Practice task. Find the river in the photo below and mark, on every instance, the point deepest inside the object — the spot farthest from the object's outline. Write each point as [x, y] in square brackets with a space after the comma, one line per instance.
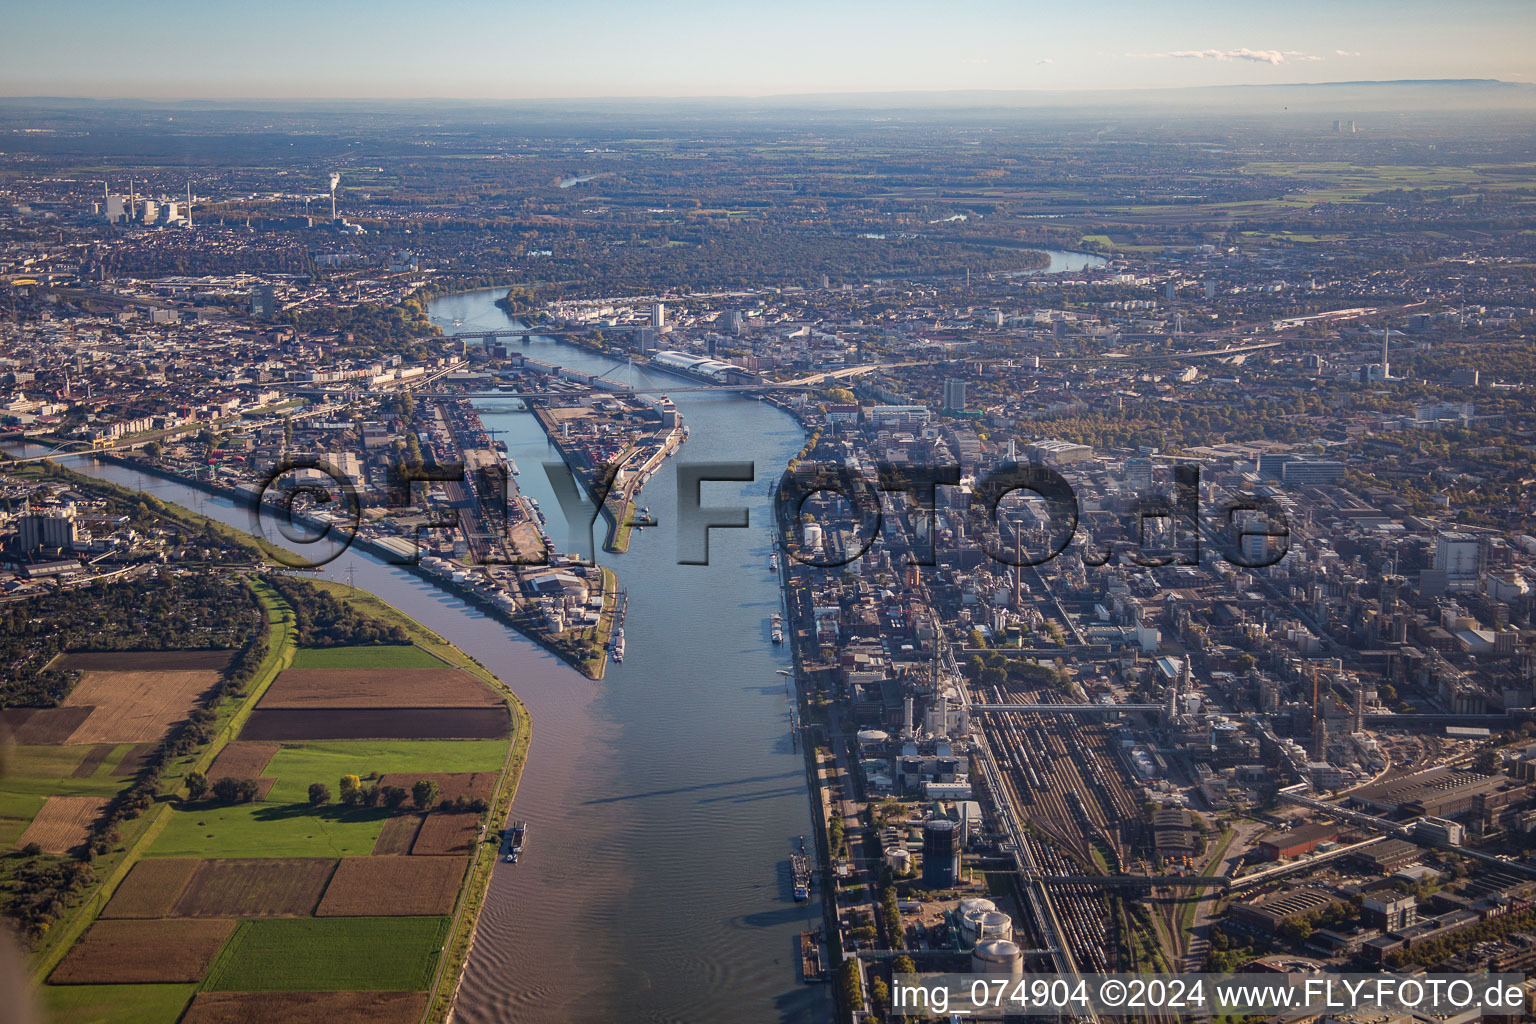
[664, 801]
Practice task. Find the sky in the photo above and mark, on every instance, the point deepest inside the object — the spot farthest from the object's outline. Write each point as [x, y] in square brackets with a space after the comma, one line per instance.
[473, 49]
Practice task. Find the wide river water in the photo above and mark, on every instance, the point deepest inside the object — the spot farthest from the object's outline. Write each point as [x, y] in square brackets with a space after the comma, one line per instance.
[664, 801]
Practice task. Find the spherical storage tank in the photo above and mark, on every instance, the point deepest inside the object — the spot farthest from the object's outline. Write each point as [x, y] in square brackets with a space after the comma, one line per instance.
[997, 956]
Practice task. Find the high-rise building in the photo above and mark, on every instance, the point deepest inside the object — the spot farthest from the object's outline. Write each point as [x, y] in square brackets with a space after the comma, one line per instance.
[263, 301]
[1460, 557]
[1390, 912]
[954, 395]
[1138, 475]
[658, 315]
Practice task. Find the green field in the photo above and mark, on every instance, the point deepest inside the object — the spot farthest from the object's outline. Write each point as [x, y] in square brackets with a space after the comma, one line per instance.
[115, 1004]
[284, 825]
[295, 767]
[330, 954]
[270, 830]
[22, 794]
[396, 656]
[48, 761]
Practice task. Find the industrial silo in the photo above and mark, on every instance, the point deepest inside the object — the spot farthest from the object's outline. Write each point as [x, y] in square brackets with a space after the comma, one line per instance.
[968, 916]
[993, 925]
[997, 956]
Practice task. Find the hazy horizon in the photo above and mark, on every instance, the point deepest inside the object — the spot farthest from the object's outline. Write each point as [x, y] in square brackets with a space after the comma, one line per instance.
[489, 52]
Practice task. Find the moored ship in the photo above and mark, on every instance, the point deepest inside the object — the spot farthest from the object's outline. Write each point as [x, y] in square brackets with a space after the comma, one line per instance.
[516, 832]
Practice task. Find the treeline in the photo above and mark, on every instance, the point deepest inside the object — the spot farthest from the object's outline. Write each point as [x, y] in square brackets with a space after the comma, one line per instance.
[320, 620]
[43, 888]
[164, 612]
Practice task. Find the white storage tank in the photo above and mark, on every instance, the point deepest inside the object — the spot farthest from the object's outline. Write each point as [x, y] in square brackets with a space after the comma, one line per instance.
[997, 956]
[969, 913]
[872, 737]
[898, 859]
[994, 925]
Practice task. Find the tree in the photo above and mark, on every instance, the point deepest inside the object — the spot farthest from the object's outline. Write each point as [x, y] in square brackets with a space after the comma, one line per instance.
[197, 785]
[235, 791]
[319, 793]
[424, 793]
[848, 982]
[351, 789]
[393, 796]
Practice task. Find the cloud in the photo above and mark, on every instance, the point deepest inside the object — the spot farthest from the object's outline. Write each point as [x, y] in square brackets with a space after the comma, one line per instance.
[1256, 56]
[1346, 53]
[975, 60]
[1045, 60]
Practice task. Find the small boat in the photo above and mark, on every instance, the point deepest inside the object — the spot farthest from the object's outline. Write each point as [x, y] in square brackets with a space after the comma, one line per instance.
[516, 834]
[776, 624]
[778, 636]
[618, 645]
[773, 562]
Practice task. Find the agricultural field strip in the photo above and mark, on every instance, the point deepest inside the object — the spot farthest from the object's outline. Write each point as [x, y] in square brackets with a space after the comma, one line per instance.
[134, 706]
[378, 688]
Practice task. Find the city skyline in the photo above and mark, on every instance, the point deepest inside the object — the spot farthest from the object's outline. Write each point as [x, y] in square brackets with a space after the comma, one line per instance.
[632, 51]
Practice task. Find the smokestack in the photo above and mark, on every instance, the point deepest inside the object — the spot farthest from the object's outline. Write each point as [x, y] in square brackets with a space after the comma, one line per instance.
[906, 718]
[189, 202]
[1386, 371]
[335, 180]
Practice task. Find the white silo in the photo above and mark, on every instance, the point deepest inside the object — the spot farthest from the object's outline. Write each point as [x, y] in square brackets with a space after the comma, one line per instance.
[994, 925]
[968, 916]
[997, 956]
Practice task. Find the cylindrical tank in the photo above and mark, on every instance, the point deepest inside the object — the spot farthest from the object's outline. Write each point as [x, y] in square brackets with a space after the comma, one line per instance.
[872, 737]
[968, 915]
[941, 853]
[997, 956]
[898, 859]
[994, 925]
